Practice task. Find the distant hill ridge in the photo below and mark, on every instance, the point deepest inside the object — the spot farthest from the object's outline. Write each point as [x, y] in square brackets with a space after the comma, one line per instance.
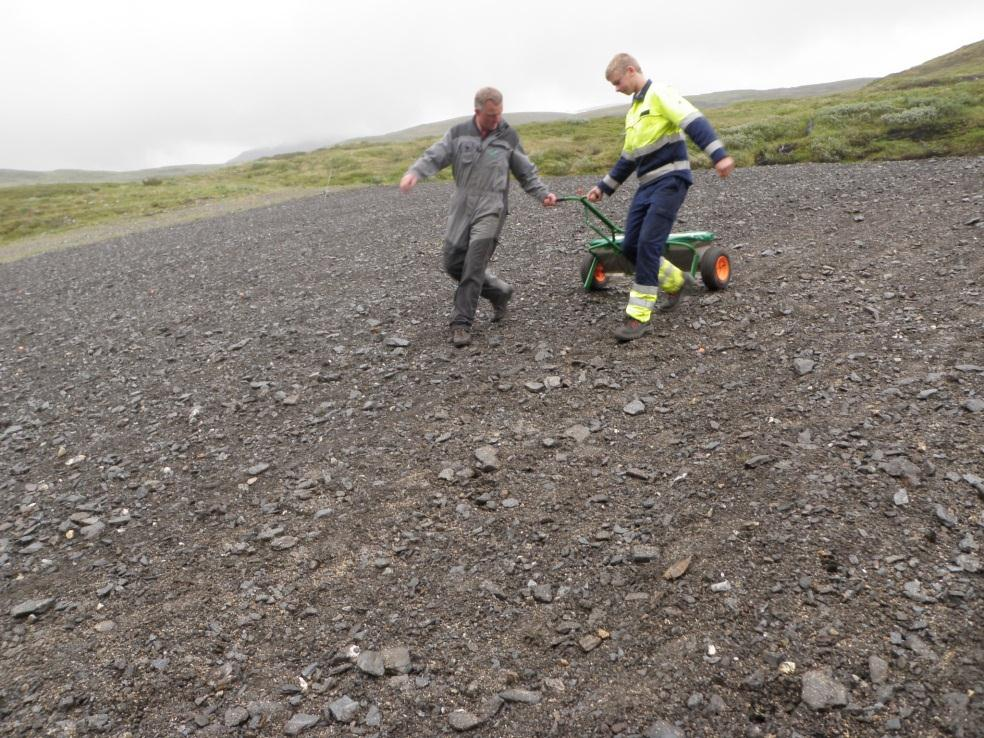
[291, 148]
[12, 177]
[963, 64]
[706, 100]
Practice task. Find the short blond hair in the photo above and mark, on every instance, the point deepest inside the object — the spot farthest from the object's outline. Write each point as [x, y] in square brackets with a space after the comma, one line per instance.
[487, 94]
[618, 65]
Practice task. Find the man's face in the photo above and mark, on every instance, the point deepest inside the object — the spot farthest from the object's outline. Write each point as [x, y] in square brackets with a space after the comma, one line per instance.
[624, 82]
[488, 116]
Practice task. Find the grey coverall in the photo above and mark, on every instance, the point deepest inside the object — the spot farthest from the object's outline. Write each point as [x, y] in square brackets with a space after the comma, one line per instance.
[478, 208]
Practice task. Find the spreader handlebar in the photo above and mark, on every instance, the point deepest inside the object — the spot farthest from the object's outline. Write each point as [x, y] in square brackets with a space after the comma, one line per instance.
[596, 220]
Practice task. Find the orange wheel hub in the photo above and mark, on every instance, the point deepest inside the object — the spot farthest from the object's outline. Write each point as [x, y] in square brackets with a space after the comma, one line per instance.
[722, 268]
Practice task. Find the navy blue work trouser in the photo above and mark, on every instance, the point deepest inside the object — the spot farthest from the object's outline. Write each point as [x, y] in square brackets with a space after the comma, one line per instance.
[648, 224]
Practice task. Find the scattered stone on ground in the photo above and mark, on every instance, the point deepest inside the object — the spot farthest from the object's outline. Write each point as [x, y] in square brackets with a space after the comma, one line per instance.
[248, 487]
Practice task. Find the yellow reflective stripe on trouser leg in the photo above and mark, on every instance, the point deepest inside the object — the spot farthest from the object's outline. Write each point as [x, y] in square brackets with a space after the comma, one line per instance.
[670, 277]
[642, 301]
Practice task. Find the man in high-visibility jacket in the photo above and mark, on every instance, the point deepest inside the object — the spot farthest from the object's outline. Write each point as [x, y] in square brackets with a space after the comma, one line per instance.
[656, 150]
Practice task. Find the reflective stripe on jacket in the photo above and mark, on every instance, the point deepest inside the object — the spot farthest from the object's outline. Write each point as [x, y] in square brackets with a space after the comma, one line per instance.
[654, 143]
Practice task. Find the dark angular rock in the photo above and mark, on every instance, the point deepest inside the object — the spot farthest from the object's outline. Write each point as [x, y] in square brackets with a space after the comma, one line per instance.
[301, 722]
[235, 716]
[32, 607]
[821, 691]
[461, 720]
[371, 662]
[521, 695]
[661, 729]
[344, 709]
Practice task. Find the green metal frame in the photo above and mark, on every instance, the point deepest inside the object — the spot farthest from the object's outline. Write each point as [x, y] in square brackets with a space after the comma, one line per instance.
[610, 238]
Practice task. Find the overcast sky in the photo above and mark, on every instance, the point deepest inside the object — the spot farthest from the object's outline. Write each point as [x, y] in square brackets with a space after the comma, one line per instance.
[101, 84]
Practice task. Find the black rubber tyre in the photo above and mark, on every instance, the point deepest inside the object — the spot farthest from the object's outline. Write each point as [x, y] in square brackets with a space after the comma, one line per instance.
[715, 268]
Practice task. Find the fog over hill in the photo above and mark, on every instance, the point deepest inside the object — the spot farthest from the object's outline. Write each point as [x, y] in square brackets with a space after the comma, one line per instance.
[287, 148]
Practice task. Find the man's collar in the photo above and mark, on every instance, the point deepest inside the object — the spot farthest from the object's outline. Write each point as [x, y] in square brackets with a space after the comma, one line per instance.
[641, 94]
[483, 134]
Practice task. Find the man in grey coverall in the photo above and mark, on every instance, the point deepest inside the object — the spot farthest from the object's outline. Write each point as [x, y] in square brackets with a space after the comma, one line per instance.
[482, 152]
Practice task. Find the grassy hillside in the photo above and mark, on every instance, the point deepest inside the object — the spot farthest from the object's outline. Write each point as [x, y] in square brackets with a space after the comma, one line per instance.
[910, 123]
[935, 109]
[14, 177]
[35, 209]
[964, 64]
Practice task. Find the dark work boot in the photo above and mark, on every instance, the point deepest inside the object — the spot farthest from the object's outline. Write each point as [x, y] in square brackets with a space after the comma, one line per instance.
[460, 336]
[630, 330]
[500, 307]
[671, 300]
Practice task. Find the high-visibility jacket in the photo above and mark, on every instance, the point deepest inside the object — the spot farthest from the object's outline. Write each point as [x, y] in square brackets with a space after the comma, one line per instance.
[654, 143]
[481, 168]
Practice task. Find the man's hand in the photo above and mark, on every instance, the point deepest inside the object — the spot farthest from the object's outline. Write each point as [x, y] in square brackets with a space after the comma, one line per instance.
[595, 194]
[725, 167]
[550, 200]
[408, 181]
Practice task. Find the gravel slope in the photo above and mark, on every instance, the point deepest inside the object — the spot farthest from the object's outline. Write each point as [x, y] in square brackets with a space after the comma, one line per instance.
[248, 488]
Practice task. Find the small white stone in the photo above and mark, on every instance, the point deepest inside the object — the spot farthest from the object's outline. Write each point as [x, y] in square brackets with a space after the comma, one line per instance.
[353, 651]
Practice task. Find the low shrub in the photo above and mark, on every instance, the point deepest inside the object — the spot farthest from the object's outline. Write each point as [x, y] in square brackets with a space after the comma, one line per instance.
[859, 111]
[917, 117]
[828, 149]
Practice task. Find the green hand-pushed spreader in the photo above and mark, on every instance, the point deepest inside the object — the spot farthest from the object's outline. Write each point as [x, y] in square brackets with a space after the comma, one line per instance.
[692, 252]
